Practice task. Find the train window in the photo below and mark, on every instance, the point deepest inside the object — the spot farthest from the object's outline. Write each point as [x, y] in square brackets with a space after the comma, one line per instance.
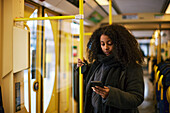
[31, 11]
[51, 36]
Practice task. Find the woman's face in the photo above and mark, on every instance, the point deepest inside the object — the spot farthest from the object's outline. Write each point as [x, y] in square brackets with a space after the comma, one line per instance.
[106, 45]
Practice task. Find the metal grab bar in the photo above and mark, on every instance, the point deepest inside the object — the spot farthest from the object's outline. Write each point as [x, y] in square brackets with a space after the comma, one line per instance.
[90, 33]
[155, 69]
[46, 18]
[81, 55]
[67, 73]
[160, 85]
[110, 12]
[157, 76]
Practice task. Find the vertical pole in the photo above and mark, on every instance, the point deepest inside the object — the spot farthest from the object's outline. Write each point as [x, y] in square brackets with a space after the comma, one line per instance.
[81, 57]
[110, 12]
[67, 73]
[168, 49]
[38, 62]
[159, 46]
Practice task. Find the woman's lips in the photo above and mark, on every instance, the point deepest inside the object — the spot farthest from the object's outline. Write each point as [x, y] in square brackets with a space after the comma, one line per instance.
[107, 53]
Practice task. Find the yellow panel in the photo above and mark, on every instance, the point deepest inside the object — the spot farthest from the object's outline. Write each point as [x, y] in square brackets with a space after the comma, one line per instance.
[8, 93]
[7, 37]
[0, 40]
[9, 12]
[28, 9]
[18, 8]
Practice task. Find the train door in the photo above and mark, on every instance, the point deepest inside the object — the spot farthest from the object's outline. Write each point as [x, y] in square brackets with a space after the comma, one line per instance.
[43, 62]
[29, 94]
[53, 53]
[50, 64]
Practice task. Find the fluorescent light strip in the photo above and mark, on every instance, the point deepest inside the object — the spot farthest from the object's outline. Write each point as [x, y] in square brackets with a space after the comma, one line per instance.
[168, 10]
[102, 2]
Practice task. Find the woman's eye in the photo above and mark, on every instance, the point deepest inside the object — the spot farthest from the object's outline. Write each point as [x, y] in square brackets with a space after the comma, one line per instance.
[102, 44]
[110, 43]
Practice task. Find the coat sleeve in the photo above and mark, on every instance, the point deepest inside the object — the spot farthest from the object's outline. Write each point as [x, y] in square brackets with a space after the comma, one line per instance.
[133, 95]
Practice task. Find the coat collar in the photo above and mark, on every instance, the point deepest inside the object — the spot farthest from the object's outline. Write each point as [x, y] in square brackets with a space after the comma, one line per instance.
[110, 60]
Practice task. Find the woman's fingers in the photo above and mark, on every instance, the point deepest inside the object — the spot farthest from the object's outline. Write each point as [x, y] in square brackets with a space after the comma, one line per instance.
[79, 63]
[101, 91]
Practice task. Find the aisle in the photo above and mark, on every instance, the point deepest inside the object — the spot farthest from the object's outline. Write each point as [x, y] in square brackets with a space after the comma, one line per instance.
[148, 104]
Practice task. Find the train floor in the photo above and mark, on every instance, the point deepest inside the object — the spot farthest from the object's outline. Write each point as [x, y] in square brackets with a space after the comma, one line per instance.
[148, 104]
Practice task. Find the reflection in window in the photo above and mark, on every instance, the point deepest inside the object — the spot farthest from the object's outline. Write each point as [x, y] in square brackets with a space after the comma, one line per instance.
[33, 34]
[49, 75]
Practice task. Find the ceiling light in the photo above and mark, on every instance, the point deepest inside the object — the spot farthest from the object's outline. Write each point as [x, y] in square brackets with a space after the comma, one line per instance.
[102, 2]
[157, 33]
[168, 10]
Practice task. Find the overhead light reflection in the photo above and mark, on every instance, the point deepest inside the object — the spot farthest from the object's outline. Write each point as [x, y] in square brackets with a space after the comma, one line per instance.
[168, 10]
[157, 33]
[102, 2]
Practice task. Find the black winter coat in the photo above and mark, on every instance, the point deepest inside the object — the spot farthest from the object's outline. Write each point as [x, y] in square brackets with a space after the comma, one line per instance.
[126, 88]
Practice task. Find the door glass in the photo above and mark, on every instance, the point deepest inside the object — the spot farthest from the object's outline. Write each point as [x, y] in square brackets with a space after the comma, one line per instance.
[68, 82]
[33, 34]
[50, 65]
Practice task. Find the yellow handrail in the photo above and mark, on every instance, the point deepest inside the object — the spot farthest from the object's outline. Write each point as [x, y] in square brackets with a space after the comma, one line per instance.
[88, 33]
[157, 76]
[81, 55]
[159, 82]
[85, 34]
[67, 73]
[159, 48]
[160, 85]
[155, 69]
[46, 18]
[110, 12]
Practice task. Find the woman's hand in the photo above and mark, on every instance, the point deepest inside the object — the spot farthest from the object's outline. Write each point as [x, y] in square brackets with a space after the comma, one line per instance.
[80, 63]
[103, 92]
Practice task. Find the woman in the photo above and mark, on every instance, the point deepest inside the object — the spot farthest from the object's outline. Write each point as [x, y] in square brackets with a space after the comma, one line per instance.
[115, 60]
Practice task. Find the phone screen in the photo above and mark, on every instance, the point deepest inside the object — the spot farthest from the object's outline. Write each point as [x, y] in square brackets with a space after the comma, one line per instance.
[96, 83]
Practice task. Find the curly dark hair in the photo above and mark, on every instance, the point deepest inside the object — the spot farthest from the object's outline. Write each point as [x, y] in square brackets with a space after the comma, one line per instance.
[126, 47]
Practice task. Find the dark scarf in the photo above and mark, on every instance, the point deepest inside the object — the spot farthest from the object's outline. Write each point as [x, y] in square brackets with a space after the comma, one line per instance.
[107, 62]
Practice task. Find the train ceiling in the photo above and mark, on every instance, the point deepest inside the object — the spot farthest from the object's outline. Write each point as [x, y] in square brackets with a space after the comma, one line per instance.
[141, 6]
[93, 7]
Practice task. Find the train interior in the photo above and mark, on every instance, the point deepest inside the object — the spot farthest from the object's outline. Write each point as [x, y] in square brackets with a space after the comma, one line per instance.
[40, 44]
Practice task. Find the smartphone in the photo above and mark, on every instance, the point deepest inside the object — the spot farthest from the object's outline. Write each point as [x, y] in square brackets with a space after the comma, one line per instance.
[96, 83]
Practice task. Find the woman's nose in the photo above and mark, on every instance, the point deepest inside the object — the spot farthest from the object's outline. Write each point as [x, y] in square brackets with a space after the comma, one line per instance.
[106, 47]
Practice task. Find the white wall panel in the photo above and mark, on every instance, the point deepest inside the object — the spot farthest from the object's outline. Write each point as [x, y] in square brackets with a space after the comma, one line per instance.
[20, 49]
